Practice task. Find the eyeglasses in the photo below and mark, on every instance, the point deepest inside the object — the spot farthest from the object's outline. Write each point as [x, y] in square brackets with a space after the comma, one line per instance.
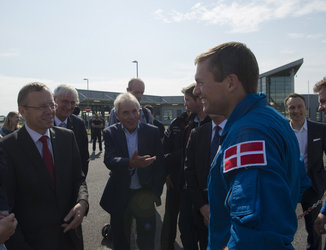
[52, 106]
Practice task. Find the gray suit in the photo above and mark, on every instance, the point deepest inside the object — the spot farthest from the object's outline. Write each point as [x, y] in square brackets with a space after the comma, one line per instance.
[40, 205]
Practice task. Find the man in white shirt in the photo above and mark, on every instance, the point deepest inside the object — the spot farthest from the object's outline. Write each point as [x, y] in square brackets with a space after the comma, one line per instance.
[311, 138]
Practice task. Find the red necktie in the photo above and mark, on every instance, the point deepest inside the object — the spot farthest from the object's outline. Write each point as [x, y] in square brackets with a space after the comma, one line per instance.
[47, 157]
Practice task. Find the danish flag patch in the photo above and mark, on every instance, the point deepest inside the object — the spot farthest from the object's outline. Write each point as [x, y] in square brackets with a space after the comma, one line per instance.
[244, 154]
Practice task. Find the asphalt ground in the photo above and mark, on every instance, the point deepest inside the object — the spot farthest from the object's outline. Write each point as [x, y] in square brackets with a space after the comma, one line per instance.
[92, 225]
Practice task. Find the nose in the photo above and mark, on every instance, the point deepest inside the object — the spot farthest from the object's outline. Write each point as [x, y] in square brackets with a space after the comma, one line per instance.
[321, 107]
[196, 90]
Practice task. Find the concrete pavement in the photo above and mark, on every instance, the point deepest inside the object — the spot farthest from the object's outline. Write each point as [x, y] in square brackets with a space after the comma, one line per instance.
[92, 225]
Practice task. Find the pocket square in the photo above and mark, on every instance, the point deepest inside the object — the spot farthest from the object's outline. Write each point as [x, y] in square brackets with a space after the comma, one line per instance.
[316, 139]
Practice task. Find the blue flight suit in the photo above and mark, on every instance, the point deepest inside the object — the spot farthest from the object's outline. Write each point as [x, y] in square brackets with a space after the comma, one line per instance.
[253, 196]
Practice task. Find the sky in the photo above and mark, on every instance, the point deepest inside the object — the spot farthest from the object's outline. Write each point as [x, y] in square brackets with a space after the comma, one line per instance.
[65, 41]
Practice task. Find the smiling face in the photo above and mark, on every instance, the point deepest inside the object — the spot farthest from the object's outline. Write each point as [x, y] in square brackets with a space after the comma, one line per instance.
[38, 119]
[129, 115]
[213, 94]
[296, 108]
[66, 104]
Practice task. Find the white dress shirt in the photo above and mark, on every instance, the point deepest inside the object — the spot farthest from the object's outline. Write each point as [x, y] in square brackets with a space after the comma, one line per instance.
[302, 136]
[36, 137]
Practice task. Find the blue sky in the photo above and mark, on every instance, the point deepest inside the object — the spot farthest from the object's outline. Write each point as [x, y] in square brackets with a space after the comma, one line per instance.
[65, 41]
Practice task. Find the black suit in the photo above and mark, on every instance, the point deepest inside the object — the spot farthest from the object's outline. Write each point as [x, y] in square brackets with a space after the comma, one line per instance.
[40, 205]
[316, 172]
[77, 125]
[118, 198]
[197, 167]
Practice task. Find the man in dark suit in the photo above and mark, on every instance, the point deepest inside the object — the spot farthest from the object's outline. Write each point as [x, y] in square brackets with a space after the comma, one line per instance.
[133, 153]
[8, 222]
[45, 185]
[66, 98]
[312, 143]
[201, 149]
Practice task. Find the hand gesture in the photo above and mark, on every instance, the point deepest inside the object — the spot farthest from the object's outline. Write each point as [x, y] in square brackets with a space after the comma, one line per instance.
[137, 161]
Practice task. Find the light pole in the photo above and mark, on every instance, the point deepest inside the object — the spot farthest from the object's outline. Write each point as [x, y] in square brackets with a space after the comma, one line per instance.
[136, 67]
[86, 79]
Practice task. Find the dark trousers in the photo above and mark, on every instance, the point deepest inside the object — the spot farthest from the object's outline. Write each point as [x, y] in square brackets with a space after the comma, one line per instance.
[97, 136]
[187, 228]
[308, 199]
[141, 207]
[169, 225]
[201, 228]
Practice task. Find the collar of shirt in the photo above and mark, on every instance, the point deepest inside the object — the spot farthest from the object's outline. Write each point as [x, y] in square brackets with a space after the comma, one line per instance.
[57, 121]
[36, 136]
[126, 130]
[304, 127]
[221, 125]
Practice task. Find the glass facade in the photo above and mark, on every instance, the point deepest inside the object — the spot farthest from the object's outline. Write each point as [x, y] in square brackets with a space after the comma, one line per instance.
[277, 84]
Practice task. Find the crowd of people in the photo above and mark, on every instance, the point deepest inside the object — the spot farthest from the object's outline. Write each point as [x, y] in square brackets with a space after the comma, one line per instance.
[234, 168]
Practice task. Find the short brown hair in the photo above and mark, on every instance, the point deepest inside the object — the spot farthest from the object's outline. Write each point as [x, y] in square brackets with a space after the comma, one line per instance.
[293, 95]
[189, 90]
[319, 85]
[233, 58]
[30, 87]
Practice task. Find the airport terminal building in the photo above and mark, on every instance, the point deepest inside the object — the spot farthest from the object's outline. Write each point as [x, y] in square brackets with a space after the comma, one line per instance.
[276, 83]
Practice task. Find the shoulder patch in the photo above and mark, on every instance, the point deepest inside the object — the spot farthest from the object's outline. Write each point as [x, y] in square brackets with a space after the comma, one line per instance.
[244, 154]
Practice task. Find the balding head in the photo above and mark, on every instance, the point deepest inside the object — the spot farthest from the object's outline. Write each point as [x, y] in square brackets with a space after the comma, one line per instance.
[136, 87]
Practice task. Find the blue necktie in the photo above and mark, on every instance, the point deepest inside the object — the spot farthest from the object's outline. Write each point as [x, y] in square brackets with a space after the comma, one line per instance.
[214, 144]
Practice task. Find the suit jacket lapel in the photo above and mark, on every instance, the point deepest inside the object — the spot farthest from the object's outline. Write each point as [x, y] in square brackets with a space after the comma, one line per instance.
[123, 142]
[310, 138]
[56, 155]
[69, 123]
[141, 136]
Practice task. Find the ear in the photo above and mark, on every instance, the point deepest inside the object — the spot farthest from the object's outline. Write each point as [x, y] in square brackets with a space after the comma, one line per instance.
[21, 111]
[233, 82]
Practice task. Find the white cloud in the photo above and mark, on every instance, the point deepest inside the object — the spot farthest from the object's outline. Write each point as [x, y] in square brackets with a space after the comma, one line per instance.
[314, 36]
[9, 53]
[243, 16]
[306, 36]
[287, 52]
[296, 35]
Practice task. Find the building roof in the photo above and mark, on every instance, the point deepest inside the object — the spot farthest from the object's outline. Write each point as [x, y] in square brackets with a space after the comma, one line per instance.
[289, 69]
[109, 97]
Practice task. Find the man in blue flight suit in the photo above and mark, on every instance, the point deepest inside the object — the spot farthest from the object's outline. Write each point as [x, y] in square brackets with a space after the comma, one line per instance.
[257, 177]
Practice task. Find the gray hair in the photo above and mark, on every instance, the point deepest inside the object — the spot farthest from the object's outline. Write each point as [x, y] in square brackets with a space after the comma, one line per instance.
[125, 98]
[65, 89]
